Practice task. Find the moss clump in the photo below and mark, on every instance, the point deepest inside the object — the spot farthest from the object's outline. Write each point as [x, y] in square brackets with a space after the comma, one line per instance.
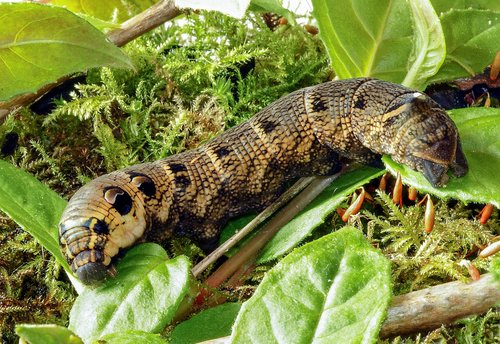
[191, 81]
[420, 259]
[33, 287]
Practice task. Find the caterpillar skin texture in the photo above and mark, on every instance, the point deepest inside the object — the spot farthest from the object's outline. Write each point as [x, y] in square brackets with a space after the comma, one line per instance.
[308, 132]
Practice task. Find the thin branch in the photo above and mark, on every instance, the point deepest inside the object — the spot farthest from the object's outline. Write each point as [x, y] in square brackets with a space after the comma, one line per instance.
[249, 252]
[151, 18]
[429, 308]
[226, 246]
[134, 27]
[432, 307]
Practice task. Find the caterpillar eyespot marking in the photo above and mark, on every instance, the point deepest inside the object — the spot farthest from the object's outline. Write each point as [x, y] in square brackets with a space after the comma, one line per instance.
[144, 184]
[244, 169]
[120, 200]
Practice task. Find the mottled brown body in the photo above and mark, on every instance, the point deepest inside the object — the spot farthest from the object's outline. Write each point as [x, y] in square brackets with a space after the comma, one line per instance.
[305, 133]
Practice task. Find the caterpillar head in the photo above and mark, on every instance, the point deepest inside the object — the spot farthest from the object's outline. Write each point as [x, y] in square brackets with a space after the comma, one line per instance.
[421, 135]
[103, 217]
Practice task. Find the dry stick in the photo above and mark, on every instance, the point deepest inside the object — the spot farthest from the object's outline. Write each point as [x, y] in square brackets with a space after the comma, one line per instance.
[256, 243]
[281, 201]
[134, 27]
[143, 22]
[429, 308]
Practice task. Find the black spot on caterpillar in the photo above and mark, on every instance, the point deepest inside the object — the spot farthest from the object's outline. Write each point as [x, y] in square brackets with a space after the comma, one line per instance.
[359, 103]
[268, 126]
[222, 152]
[307, 132]
[319, 105]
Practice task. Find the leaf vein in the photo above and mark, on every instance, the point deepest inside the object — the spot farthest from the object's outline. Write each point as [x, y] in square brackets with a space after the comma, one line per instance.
[378, 40]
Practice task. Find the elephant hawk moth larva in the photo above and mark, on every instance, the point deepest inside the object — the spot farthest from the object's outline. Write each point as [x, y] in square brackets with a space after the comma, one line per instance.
[308, 132]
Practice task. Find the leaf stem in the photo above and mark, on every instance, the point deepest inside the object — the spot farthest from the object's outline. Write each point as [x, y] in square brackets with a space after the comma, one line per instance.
[264, 215]
[151, 18]
[249, 252]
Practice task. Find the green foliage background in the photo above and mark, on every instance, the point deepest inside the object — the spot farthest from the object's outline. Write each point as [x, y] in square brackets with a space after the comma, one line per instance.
[191, 82]
[121, 117]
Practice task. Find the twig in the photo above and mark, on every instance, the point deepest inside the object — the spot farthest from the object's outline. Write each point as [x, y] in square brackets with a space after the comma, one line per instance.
[429, 308]
[432, 307]
[226, 246]
[134, 27]
[251, 249]
[144, 22]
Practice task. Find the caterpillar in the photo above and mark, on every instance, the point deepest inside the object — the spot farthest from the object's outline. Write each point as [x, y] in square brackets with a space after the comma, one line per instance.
[311, 131]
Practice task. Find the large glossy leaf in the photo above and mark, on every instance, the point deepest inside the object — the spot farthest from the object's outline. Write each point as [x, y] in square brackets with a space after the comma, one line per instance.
[209, 324]
[332, 290]
[428, 45]
[109, 10]
[378, 39]
[46, 334]
[33, 206]
[479, 132]
[40, 43]
[144, 296]
[471, 42]
[443, 6]
[131, 337]
[315, 213]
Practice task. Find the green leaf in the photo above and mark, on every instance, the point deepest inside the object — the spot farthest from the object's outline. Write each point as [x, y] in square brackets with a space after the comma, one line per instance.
[442, 6]
[484, 4]
[429, 48]
[479, 133]
[378, 29]
[144, 296]
[99, 23]
[332, 290]
[209, 324]
[131, 337]
[315, 213]
[109, 10]
[33, 206]
[46, 334]
[471, 42]
[40, 43]
[385, 45]
[233, 226]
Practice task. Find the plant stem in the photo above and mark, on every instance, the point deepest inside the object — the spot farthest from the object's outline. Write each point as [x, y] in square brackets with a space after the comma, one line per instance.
[226, 246]
[428, 308]
[248, 253]
[151, 18]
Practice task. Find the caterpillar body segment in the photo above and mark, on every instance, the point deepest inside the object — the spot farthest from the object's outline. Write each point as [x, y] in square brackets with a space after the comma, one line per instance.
[308, 132]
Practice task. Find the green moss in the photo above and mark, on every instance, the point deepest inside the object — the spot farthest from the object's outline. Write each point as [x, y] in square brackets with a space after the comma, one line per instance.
[190, 82]
[423, 259]
[33, 287]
